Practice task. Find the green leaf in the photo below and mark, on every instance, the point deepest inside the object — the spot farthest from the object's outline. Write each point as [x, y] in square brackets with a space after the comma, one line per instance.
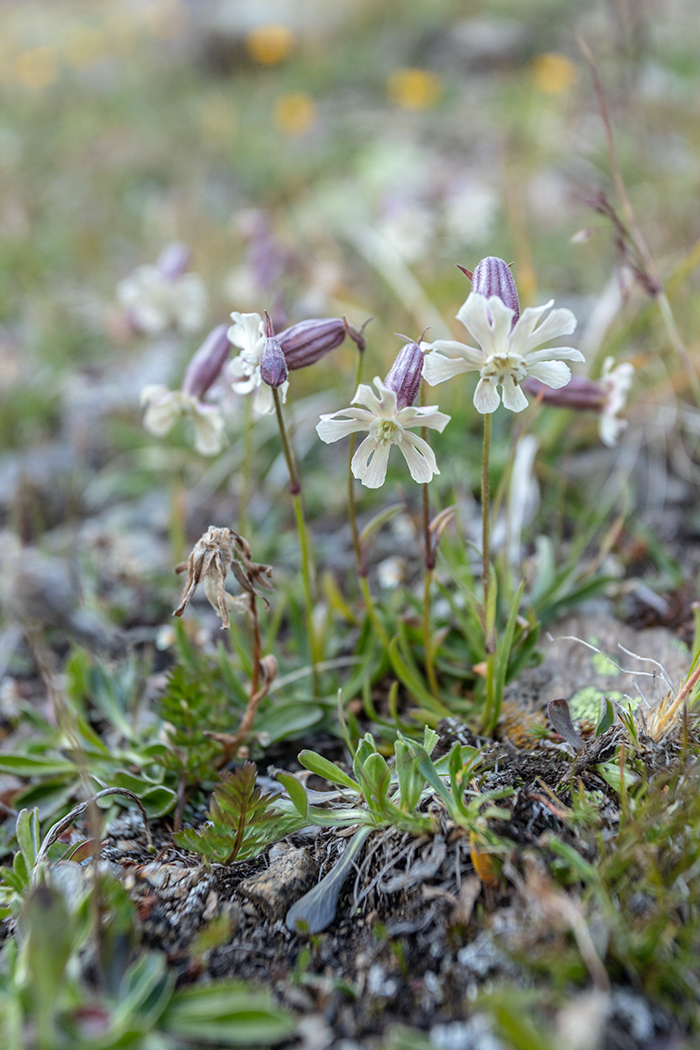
[375, 777]
[284, 720]
[323, 767]
[607, 716]
[24, 766]
[410, 677]
[28, 836]
[227, 1013]
[296, 792]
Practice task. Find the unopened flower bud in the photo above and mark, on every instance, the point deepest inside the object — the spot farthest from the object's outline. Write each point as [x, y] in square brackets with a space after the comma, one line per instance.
[173, 261]
[273, 366]
[405, 375]
[580, 394]
[492, 277]
[205, 367]
[308, 341]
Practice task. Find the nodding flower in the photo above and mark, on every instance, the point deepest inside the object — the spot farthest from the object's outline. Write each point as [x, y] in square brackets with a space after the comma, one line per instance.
[273, 366]
[605, 396]
[164, 407]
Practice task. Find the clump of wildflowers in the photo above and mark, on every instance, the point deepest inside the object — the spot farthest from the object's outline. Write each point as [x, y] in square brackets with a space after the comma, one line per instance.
[164, 296]
[389, 416]
[506, 353]
[165, 407]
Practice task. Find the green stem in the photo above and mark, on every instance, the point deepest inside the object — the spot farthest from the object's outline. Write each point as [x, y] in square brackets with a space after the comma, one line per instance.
[304, 547]
[485, 507]
[489, 612]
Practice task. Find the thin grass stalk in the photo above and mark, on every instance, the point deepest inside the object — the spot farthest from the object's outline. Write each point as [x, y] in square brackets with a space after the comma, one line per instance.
[302, 530]
[489, 612]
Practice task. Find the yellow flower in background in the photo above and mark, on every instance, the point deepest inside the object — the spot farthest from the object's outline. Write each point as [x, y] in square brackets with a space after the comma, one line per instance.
[270, 44]
[295, 113]
[414, 88]
[36, 67]
[554, 73]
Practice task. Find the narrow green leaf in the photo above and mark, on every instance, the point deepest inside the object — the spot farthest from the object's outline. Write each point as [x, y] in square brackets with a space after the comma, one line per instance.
[296, 792]
[322, 767]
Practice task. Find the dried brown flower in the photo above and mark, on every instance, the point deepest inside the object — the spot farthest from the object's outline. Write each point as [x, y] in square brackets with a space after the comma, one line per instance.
[214, 555]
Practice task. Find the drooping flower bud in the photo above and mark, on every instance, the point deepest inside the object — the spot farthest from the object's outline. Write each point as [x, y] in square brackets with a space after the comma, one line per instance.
[491, 277]
[205, 367]
[308, 341]
[580, 394]
[273, 366]
[405, 375]
[173, 261]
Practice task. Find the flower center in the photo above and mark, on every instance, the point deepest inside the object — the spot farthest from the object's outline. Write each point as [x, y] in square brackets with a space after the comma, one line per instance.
[498, 366]
[384, 431]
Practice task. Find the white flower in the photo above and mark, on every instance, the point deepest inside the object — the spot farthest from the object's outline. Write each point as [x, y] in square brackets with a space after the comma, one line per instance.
[156, 302]
[616, 383]
[506, 352]
[248, 333]
[387, 426]
[164, 407]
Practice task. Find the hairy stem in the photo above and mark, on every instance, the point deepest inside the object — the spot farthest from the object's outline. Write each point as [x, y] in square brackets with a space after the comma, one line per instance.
[244, 497]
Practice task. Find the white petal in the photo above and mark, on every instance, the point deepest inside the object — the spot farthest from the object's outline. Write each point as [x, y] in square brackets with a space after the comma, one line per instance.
[369, 463]
[246, 332]
[208, 429]
[486, 396]
[554, 353]
[333, 426]
[513, 397]
[427, 416]
[263, 403]
[553, 373]
[161, 415]
[420, 458]
[560, 322]
[437, 368]
[521, 337]
[452, 348]
[387, 400]
[153, 392]
[489, 321]
[609, 428]
[364, 395]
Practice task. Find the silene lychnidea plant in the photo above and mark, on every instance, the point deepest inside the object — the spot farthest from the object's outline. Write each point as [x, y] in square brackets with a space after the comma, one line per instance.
[506, 348]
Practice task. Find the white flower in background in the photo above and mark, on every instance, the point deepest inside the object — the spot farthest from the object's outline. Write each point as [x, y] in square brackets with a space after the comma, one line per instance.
[391, 571]
[605, 396]
[160, 297]
[387, 425]
[248, 333]
[616, 382]
[507, 352]
[165, 407]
